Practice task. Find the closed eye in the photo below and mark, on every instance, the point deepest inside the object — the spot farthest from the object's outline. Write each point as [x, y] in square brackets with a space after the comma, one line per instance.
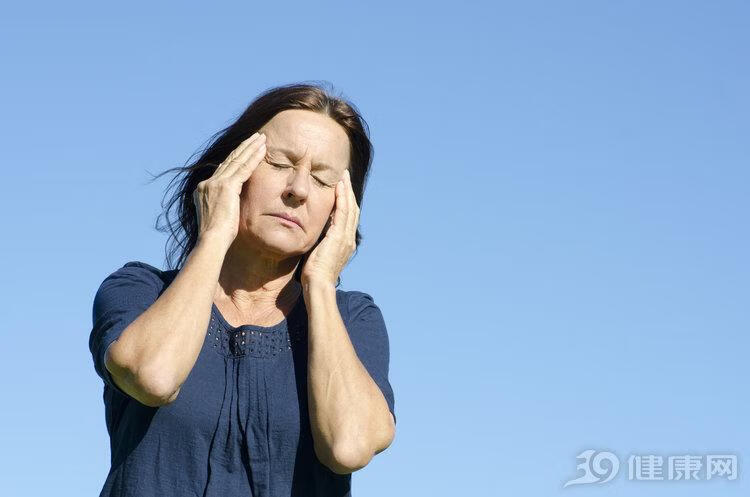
[284, 166]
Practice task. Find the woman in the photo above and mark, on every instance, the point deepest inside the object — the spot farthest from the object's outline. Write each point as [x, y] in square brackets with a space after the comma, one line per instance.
[245, 371]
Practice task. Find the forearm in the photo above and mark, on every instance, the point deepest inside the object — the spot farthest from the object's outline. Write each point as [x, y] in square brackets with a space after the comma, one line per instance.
[349, 416]
[157, 351]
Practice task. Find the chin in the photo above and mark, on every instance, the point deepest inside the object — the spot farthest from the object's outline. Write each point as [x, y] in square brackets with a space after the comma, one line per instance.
[287, 244]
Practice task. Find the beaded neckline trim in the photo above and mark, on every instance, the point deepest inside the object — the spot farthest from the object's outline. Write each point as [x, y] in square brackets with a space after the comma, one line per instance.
[253, 340]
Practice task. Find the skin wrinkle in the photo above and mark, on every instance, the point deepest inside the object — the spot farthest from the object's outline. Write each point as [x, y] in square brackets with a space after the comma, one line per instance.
[284, 166]
[273, 160]
[293, 157]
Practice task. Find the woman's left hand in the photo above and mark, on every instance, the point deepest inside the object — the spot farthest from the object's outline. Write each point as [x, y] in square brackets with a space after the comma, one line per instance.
[328, 258]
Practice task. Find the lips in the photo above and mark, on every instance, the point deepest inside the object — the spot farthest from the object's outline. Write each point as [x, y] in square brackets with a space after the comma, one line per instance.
[289, 217]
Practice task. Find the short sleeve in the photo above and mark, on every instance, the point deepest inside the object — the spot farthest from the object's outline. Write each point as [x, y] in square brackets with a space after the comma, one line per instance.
[120, 299]
[369, 336]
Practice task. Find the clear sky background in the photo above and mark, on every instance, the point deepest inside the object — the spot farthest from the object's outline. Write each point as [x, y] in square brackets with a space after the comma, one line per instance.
[555, 228]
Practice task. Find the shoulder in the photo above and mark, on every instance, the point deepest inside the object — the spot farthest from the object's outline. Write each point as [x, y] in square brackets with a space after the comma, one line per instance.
[135, 276]
[352, 300]
[146, 271]
[357, 305]
[357, 301]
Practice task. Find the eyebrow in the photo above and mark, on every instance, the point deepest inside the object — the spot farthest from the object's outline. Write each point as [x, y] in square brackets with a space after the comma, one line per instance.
[294, 157]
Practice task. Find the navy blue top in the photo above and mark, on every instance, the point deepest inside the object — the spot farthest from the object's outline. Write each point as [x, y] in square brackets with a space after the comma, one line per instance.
[240, 425]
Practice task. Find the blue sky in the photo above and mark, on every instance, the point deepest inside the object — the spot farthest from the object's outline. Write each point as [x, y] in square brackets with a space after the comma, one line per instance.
[555, 227]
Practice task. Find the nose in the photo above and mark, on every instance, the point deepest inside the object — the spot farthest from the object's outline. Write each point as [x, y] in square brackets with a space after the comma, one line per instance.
[299, 184]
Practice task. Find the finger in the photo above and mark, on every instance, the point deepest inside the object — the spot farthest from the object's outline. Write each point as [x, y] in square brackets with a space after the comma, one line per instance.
[245, 154]
[242, 170]
[351, 203]
[240, 160]
[347, 204]
[221, 169]
[350, 189]
[232, 157]
[339, 214]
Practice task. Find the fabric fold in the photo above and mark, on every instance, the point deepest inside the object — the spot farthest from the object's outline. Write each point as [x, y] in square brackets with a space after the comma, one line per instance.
[256, 441]
[227, 459]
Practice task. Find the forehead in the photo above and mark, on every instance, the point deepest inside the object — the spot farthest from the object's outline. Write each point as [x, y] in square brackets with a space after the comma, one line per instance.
[296, 133]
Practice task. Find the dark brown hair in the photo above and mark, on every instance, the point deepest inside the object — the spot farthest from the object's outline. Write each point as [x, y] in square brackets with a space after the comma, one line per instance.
[314, 97]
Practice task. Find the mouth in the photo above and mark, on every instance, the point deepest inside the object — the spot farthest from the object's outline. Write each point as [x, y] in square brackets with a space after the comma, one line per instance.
[289, 218]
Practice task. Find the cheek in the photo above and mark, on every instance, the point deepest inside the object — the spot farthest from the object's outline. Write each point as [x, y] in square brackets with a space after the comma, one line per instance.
[251, 199]
[257, 187]
[321, 214]
[329, 206]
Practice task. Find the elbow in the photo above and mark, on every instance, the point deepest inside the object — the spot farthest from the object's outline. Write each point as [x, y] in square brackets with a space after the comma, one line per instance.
[151, 389]
[157, 388]
[348, 458]
[157, 394]
[388, 435]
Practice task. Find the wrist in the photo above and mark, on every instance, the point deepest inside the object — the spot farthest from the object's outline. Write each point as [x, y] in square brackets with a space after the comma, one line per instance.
[214, 241]
[317, 284]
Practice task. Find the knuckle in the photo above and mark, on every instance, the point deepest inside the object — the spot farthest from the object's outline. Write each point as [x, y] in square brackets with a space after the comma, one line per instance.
[225, 183]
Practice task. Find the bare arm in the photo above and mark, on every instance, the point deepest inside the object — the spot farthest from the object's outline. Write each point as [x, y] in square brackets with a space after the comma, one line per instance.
[154, 355]
[349, 416]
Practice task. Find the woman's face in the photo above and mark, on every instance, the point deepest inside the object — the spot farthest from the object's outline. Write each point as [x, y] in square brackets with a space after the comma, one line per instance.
[306, 155]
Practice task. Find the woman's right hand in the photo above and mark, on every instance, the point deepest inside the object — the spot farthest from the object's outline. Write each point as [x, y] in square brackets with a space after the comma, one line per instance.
[217, 199]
